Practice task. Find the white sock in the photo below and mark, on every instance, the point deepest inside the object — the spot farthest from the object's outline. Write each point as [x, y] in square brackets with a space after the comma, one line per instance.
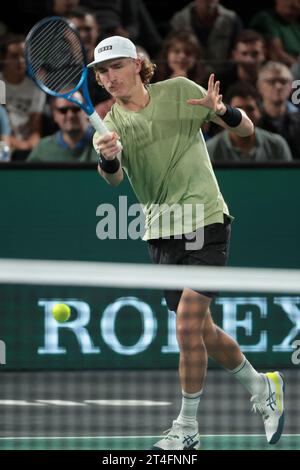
[249, 377]
[189, 408]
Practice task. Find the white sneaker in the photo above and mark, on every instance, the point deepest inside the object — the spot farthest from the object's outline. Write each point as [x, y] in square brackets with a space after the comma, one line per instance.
[270, 405]
[180, 437]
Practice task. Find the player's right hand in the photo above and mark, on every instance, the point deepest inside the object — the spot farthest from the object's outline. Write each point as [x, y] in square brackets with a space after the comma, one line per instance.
[108, 145]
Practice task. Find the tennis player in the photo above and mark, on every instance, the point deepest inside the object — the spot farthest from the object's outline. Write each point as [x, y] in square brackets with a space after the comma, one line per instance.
[165, 158]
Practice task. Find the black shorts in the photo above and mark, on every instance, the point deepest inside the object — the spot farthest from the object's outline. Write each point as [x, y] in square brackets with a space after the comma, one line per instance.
[214, 252]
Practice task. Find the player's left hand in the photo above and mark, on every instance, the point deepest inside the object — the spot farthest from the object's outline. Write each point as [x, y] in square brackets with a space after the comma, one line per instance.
[213, 99]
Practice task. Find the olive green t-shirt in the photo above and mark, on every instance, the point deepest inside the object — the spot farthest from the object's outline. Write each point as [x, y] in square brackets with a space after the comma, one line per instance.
[165, 158]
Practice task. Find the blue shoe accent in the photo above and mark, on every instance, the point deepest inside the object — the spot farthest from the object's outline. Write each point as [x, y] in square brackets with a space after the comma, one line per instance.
[277, 435]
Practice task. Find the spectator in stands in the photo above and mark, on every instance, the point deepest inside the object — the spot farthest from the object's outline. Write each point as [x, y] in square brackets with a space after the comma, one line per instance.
[248, 55]
[25, 102]
[89, 30]
[295, 69]
[275, 86]
[63, 7]
[21, 15]
[128, 18]
[181, 56]
[5, 130]
[215, 26]
[87, 27]
[281, 27]
[262, 146]
[73, 141]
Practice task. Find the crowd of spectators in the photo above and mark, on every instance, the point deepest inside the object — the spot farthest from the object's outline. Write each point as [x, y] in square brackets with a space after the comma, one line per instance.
[256, 59]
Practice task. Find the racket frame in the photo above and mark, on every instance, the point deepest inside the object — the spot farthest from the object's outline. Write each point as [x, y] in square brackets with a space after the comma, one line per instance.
[82, 85]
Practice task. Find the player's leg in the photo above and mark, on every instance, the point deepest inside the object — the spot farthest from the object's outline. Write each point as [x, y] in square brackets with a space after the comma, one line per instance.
[190, 323]
[225, 350]
[266, 389]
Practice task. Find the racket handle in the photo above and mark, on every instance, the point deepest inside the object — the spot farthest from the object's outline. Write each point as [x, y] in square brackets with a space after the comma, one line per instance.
[99, 126]
[97, 123]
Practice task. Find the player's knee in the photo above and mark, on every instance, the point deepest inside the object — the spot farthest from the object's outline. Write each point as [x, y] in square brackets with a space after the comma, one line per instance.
[193, 303]
[189, 333]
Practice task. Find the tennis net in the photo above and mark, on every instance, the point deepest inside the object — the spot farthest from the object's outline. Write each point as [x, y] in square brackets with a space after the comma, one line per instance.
[108, 377]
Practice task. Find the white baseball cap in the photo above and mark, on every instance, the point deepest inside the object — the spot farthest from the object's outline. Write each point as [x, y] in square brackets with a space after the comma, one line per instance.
[113, 48]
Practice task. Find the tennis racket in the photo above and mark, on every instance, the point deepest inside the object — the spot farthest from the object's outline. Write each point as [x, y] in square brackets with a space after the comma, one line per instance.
[56, 61]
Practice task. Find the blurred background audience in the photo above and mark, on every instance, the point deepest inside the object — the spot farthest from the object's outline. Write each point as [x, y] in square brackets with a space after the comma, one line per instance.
[24, 101]
[254, 53]
[262, 146]
[275, 87]
[5, 130]
[72, 142]
[247, 56]
[215, 26]
[129, 18]
[181, 56]
[281, 27]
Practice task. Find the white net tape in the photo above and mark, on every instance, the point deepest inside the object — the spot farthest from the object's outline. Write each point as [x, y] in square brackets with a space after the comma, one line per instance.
[82, 273]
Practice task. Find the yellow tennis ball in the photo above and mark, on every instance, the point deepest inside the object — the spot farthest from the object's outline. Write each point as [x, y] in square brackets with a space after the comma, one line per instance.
[61, 312]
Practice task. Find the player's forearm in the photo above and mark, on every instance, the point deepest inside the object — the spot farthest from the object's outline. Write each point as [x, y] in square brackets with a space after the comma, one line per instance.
[245, 128]
[113, 179]
[109, 150]
[235, 120]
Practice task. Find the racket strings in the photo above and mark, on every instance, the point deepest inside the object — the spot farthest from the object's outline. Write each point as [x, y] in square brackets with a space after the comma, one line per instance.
[56, 55]
[62, 51]
[61, 67]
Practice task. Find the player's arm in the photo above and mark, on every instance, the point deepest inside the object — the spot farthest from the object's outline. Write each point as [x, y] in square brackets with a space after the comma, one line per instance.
[109, 150]
[236, 120]
[226, 116]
